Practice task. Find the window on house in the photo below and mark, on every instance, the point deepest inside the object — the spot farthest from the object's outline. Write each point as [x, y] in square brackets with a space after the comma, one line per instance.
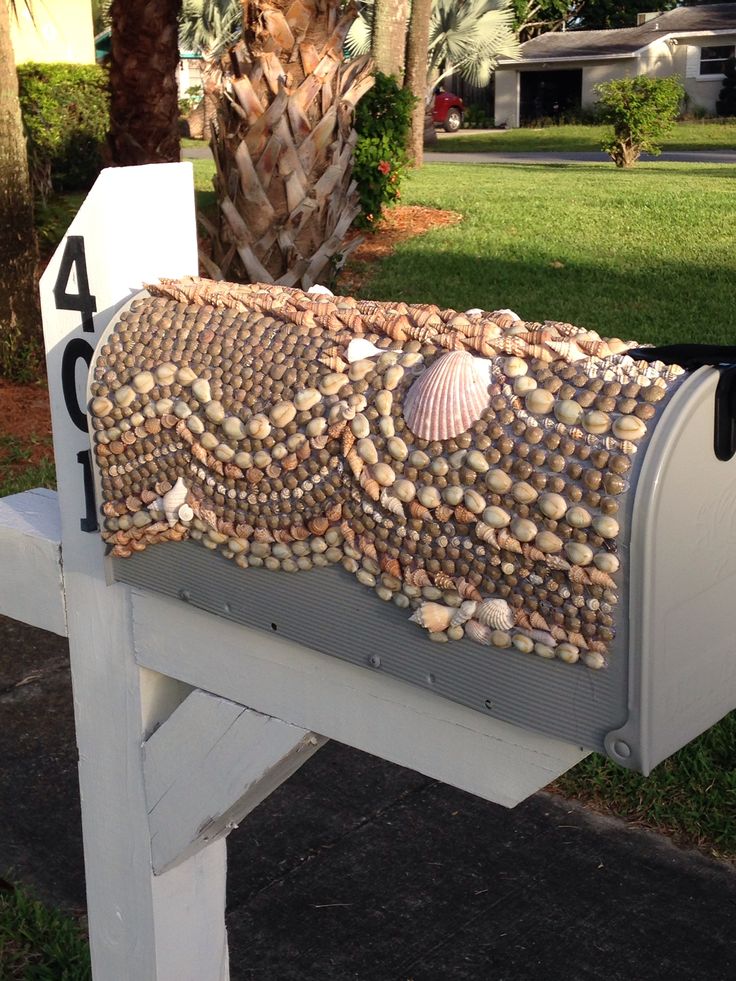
[713, 60]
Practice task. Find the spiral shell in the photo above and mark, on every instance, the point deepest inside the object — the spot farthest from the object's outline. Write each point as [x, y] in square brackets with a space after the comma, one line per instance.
[173, 500]
[495, 613]
[448, 397]
[434, 617]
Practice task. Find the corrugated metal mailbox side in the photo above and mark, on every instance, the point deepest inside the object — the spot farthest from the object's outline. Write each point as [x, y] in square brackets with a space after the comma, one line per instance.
[548, 509]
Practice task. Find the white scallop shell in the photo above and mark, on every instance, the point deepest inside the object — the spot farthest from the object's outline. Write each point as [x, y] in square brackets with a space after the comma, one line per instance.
[448, 397]
[173, 500]
[495, 613]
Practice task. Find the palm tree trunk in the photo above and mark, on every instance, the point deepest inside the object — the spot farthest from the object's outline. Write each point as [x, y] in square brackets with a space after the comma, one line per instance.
[388, 43]
[416, 75]
[144, 109]
[284, 145]
[20, 318]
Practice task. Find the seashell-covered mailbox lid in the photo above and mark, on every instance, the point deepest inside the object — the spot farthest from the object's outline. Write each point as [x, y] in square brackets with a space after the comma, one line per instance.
[469, 468]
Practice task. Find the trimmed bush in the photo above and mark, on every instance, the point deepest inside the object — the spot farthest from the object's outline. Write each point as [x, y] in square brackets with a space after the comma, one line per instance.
[66, 114]
[382, 120]
[642, 110]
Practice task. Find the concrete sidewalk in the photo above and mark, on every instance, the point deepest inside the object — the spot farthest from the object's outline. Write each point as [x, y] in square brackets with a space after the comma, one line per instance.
[357, 869]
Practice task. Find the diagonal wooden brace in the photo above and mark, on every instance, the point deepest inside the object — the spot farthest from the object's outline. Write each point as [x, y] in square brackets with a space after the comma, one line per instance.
[208, 766]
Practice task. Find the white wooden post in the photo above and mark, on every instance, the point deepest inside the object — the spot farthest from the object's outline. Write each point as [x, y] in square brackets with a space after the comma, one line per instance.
[136, 225]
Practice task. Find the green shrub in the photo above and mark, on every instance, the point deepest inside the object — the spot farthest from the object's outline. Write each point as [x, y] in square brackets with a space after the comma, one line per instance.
[66, 112]
[726, 103]
[642, 110]
[382, 120]
[476, 117]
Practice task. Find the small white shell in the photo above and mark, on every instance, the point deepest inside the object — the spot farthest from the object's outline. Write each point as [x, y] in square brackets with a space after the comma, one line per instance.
[578, 517]
[359, 348]
[496, 517]
[515, 367]
[185, 513]
[173, 500]
[605, 526]
[320, 290]
[629, 427]
[578, 553]
[495, 613]
[523, 643]
[523, 529]
[463, 613]
[552, 505]
[606, 562]
[568, 411]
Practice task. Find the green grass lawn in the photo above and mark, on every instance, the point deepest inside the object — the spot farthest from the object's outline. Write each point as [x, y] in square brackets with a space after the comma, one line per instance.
[707, 135]
[645, 254]
[38, 943]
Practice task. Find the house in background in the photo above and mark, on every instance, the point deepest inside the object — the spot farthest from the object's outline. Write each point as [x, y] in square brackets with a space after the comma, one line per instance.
[56, 31]
[557, 72]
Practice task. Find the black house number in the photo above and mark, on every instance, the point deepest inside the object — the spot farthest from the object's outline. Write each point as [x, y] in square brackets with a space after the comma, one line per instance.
[77, 349]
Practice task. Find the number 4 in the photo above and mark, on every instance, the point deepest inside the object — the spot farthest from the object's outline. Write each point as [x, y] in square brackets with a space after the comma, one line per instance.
[82, 300]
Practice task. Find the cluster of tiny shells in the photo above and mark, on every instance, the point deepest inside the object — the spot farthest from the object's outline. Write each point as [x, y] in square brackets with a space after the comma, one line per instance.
[469, 467]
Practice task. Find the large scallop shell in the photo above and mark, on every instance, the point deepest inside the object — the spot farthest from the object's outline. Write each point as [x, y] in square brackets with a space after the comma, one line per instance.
[448, 397]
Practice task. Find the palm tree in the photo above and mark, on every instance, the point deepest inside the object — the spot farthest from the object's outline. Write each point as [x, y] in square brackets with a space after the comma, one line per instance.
[144, 104]
[283, 144]
[20, 319]
[467, 37]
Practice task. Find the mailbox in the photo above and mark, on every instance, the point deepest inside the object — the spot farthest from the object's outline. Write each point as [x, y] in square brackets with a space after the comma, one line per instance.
[520, 517]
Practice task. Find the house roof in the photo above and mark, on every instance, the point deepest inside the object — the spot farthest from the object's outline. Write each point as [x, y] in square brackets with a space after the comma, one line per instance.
[626, 41]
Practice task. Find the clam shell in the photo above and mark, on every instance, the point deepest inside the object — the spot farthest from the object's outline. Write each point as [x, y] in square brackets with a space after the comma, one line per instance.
[478, 632]
[360, 348]
[448, 397]
[495, 613]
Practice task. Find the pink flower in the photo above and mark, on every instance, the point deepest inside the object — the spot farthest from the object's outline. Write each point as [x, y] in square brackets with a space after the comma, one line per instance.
[384, 167]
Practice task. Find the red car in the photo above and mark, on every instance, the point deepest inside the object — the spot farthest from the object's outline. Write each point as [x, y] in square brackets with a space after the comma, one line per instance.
[448, 111]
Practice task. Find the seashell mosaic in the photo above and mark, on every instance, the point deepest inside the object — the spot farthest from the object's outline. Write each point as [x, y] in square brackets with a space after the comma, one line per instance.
[472, 469]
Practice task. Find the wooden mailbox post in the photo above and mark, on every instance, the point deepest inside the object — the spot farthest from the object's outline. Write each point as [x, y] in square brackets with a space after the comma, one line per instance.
[185, 721]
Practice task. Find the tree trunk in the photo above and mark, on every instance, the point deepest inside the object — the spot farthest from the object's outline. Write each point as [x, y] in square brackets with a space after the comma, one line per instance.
[416, 74]
[284, 145]
[388, 42]
[21, 339]
[144, 105]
